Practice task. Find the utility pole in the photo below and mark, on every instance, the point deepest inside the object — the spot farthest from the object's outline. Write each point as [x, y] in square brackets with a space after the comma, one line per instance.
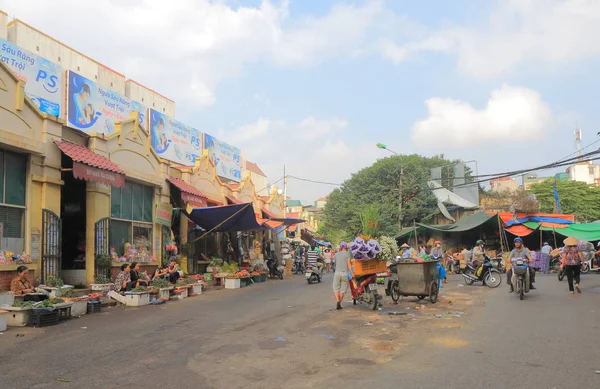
[400, 202]
[284, 193]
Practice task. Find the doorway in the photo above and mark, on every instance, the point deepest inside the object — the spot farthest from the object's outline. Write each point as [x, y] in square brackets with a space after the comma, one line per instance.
[73, 213]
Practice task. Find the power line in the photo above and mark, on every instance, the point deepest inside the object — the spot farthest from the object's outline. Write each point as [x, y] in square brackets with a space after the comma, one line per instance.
[313, 181]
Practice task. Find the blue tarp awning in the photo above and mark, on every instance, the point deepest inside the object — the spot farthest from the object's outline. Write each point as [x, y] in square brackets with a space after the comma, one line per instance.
[537, 219]
[320, 243]
[237, 217]
[287, 221]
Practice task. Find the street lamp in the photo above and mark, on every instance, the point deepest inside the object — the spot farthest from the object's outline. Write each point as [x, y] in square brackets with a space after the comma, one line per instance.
[384, 147]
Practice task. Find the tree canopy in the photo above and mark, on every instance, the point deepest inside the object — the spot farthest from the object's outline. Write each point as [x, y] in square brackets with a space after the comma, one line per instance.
[379, 185]
[576, 198]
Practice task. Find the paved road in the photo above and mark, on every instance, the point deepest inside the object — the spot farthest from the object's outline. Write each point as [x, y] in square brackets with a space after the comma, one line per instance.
[283, 334]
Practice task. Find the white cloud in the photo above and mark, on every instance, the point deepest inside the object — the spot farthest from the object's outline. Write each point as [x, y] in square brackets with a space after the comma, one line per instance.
[185, 48]
[273, 144]
[312, 129]
[511, 113]
[517, 32]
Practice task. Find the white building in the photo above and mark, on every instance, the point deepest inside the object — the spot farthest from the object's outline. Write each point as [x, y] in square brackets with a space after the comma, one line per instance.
[587, 172]
[258, 178]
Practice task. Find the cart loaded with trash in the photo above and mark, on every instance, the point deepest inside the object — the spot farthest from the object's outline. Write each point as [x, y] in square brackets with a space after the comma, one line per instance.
[418, 279]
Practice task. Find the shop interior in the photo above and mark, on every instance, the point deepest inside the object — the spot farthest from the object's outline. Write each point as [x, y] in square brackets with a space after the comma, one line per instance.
[73, 215]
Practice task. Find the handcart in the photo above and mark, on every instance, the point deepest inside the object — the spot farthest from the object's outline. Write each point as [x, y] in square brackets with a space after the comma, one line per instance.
[418, 279]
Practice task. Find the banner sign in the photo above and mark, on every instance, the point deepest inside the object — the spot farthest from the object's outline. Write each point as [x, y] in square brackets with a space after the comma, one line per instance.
[102, 176]
[173, 140]
[226, 158]
[43, 79]
[92, 108]
[164, 212]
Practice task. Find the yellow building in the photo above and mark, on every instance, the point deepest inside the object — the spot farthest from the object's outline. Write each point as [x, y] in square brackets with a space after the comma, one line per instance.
[67, 197]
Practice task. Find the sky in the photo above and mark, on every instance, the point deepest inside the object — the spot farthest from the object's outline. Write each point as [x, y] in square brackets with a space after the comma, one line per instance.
[315, 84]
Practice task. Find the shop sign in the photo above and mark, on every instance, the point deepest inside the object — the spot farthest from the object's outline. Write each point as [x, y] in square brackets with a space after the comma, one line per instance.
[173, 140]
[90, 173]
[226, 158]
[164, 213]
[43, 79]
[92, 108]
[191, 199]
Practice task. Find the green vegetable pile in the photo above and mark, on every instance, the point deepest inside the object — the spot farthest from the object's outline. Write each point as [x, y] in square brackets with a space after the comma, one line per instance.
[160, 283]
[140, 289]
[22, 304]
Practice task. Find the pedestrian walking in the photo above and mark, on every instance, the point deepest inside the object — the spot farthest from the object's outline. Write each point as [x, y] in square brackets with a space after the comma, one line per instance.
[571, 261]
[340, 277]
[546, 250]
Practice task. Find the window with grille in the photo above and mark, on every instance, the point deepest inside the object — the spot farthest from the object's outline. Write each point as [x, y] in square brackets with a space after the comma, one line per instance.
[131, 222]
[13, 168]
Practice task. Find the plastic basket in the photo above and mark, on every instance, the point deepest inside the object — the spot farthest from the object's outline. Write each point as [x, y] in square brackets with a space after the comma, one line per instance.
[43, 318]
[94, 307]
[371, 266]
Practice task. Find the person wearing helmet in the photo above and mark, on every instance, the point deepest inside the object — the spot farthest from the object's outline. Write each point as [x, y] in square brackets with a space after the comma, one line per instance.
[478, 252]
[518, 252]
[546, 250]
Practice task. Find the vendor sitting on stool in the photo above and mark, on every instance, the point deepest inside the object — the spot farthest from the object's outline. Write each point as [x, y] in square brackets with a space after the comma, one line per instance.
[135, 275]
[21, 285]
[123, 281]
[172, 271]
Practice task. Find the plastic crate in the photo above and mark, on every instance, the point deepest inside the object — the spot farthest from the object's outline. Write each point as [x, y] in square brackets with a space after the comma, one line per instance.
[94, 307]
[371, 266]
[43, 318]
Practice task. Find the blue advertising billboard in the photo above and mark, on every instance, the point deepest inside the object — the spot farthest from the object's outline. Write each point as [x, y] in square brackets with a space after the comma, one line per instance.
[92, 108]
[43, 79]
[173, 140]
[227, 158]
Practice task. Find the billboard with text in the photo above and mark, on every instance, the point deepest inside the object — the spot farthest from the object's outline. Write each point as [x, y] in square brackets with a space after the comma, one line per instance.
[227, 158]
[92, 108]
[43, 79]
[173, 140]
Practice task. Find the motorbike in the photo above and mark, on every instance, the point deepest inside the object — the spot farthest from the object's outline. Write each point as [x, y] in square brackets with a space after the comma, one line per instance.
[453, 265]
[520, 277]
[298, 266]
[274, 270]
[490, 276]
[588, 263]
[313, 275]
[498, 263]
[364, 289]
[392, 286]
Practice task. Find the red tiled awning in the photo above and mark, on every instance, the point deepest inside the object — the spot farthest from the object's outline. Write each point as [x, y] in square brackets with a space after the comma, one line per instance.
[189, 194]
[89, 166]
[233, 200]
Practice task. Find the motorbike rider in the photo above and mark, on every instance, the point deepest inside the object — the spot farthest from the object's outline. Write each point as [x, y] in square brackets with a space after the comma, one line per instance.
[519, 252]
[314, 258]
[478, 252]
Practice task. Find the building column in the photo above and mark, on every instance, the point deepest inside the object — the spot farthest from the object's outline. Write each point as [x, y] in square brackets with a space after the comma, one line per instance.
[97, 207]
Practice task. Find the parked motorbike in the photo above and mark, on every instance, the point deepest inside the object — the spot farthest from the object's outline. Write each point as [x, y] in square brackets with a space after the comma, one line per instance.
[364, 289]
[298, 266]
[392, 285]
[490, 276]
[520, 278]
[312, 274]
[274, 270]
[588, 263]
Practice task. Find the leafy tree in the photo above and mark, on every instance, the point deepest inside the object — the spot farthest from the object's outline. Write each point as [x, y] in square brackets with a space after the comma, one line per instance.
[379, 185]
[577, 198]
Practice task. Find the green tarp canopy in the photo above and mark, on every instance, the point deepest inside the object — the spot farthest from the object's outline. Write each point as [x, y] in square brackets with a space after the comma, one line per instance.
[467, 223]
[586, 231]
